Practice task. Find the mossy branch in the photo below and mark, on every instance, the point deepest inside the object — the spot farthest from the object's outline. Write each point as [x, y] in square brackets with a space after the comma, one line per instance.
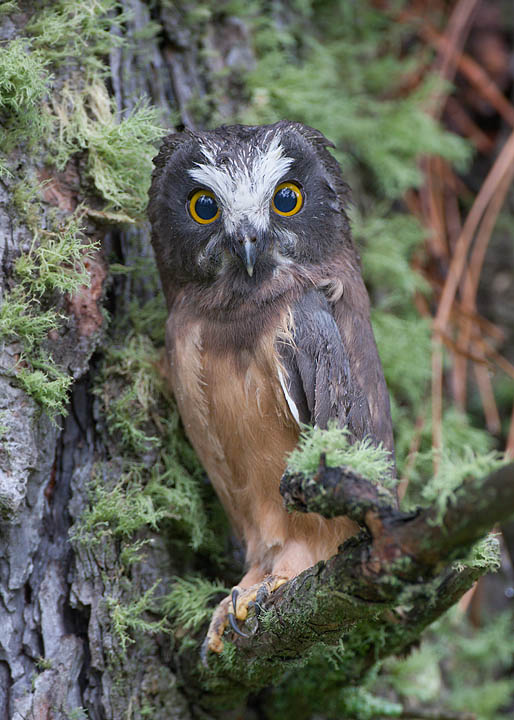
[377, 594]
[334, 491]
[430, 535]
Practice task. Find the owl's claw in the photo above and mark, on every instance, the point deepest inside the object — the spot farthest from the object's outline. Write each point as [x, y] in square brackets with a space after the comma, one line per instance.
[255, 596]
[235, 607]
[234, 595]
[233, 625]
[232, 616]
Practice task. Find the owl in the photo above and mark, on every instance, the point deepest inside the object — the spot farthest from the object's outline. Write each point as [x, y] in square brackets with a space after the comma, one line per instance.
[268, 330]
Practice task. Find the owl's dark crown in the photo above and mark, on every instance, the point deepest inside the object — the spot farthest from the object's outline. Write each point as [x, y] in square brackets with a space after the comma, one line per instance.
[239, 204]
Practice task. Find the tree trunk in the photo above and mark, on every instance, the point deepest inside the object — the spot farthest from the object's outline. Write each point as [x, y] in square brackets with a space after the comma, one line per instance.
[59, 657]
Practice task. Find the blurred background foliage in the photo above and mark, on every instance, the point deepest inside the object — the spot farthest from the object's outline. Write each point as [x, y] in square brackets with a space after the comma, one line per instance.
[417, 131]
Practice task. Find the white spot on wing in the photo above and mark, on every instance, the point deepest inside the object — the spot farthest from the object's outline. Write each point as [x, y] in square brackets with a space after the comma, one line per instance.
[290, 402]
[244, 190]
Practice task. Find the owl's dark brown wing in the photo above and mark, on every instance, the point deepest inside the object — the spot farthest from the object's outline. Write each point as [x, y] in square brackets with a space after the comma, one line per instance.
[321, 382]
[350, 309]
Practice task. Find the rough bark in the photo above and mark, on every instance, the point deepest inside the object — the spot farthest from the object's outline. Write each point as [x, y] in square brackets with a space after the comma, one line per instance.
[58, 658]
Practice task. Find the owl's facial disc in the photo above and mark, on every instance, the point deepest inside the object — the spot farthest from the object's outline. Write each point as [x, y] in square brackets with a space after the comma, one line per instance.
[246, 185]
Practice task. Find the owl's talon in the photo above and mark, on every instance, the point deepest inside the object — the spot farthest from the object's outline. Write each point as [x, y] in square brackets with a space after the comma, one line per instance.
[233, 625]
[234, 595]
[232, 616]
[235, 607]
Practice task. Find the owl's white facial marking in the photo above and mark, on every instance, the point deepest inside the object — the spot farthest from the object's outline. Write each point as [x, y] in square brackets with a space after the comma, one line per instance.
[244, 185]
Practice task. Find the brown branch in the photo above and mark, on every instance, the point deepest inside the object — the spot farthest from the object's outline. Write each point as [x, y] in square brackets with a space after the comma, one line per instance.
[339, 491]
[359, 594]
[334, 491]
[470, 289]
[489, 188]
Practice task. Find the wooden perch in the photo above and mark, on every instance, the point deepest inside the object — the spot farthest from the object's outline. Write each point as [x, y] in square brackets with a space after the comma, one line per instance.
[476, 506]
[377, 594]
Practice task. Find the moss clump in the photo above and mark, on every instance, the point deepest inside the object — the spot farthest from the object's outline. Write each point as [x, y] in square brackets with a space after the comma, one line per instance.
[22, 320]
[53, 266]
[457, 462]
[24, 81]
[117, 512]
[56, 260]
[119, 150]
[189, 604]
[68, 31]
[133, 617]
[47, 384]
[372, 462]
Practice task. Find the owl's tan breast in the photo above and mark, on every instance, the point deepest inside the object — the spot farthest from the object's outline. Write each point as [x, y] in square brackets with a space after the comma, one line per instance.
[238, 419]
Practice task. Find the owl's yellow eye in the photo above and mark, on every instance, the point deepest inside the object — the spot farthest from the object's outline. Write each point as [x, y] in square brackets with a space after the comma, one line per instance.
[288, 199]
[203, 207]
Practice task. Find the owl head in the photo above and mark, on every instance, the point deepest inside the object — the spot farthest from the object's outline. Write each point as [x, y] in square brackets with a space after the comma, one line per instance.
[241, 203]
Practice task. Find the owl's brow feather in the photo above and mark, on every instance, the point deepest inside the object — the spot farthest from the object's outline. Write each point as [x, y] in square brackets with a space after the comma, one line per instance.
[245, 183]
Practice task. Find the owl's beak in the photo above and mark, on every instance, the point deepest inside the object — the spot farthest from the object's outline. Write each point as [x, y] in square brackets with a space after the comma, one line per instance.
[247, 247]
[250, 253]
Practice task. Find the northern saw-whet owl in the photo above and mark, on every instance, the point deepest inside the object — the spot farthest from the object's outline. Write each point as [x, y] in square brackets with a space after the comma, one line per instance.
[268, 329]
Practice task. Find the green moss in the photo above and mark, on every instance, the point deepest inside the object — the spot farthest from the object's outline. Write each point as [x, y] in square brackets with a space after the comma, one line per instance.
[321, 687]
[24, 82]
[372, 462]
[404, 347]
[8, 7]
[457, 666]
[360, 704]
[21, 319]
[142, 419]
[131, 619]
[119, 511]
[43, 664]
[47, 384]
[77, 713]
[189, 604]
[23, 79]
[454, 467]
[56, 260]
[132, 393]
[68, 30]
[388, 241]
[119, 149]
[340, 86]
[54, 265]
[484, 554]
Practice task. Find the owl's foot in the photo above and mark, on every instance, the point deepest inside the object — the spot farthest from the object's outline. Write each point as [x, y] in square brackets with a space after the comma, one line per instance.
[235, 607]
[219, 622]
[256, 594]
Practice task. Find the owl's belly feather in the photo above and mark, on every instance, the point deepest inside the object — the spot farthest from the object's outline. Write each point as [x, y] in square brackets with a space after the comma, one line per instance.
[241, 422]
